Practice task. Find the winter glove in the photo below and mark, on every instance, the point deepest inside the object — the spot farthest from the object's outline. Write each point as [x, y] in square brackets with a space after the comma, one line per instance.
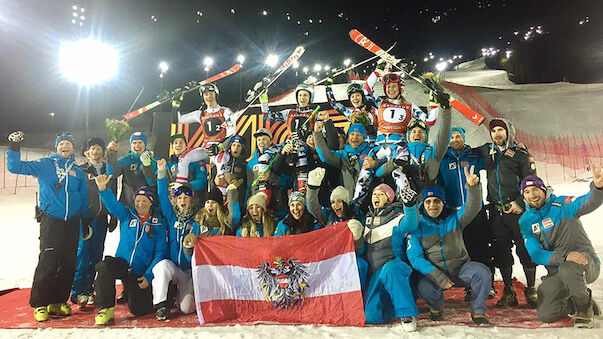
[443, 99]
[15, 139]
[231, 187]
[315, 176]
[294, 138]
[357, 229]
[213, 150]
[189, 240]
[381, 65]
[329, 81]
[177, 101]
[86, 229]
[264, 97]
[145, 157]
[409, 197]
[112, 224]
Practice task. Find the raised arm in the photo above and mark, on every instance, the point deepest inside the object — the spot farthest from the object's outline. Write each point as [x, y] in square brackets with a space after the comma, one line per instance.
[314, 181]
[162, 191]
[234, 211]
[114, 207]
[590, 201]
[474, 198]
[325, 154]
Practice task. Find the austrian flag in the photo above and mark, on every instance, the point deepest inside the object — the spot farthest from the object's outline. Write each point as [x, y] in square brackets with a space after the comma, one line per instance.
[310, 278]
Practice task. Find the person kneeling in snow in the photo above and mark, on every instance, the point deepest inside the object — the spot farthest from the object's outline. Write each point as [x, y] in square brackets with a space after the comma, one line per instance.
[437, 250]
[142, 244]
[384, 232]
[554, 237]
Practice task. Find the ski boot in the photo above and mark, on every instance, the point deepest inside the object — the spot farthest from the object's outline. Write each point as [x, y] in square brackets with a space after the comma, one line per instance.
[105, 316]
[409, 324]
[491, 293]
[162, 313]
[436, 315]
[531, 296]
[508, 299]
[480, 319]
[41, 313]
[60, 309]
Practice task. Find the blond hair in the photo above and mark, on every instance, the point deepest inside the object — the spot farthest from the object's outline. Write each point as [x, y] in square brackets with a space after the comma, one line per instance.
[222, 216]
[248, 224]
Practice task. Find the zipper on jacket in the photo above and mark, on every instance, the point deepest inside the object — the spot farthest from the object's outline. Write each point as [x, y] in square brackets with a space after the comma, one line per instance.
[66, 191]
[458, 171]
[138, 238]
[498, 183]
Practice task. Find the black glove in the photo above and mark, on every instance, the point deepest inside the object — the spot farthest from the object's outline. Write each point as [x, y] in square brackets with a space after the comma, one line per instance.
[443, 99]
[86, 229]
[409, 197]
[112, 224]
[212, 150]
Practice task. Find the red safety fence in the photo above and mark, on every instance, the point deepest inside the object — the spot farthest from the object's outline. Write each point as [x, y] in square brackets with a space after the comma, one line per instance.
[573, 153]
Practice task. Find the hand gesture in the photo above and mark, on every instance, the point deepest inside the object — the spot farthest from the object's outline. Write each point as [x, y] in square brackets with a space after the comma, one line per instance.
[101, 181]
[318, 125]
[449, 284]
[264, 176]
[315, 176]
[145, 157]
[597, 175]
[161, 165]
[323, 115]
[368, 163]
[143, 283]
[288, 148]
[189, 240]
[472, 178]
[577, 257]
[515, 208]
[220, 180]
[113, 146]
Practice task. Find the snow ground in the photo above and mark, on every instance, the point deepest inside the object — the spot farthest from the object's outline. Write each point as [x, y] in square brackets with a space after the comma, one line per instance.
[19, 243]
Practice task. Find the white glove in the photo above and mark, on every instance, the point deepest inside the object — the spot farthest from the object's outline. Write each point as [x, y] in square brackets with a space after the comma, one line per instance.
[16, 136]
[315, 176]
[145, 157]
[357, 228]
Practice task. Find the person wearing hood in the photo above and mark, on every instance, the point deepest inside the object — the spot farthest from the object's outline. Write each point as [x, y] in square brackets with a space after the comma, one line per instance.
[299, 220]
[437, 250]
[177, 268]
[348, 160]
[142, 244]
[506, 165]
[130, 166]
[555, 238]
[425, 158]
[63, 202]
[257, 222]
[389, 273]
[91, 244]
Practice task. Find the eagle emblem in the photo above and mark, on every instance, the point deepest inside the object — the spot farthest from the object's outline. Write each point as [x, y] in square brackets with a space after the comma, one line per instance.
[284, 282]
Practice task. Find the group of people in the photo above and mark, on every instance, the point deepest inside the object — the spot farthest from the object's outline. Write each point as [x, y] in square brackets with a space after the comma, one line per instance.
[414, 208]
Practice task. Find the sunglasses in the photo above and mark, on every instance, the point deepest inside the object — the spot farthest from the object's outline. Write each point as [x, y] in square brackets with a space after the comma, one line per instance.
[183, 190]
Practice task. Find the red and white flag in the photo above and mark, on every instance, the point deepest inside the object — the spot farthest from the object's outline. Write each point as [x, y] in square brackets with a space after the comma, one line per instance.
[310, 278]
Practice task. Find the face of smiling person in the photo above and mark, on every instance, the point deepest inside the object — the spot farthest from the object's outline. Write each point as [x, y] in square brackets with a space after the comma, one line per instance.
[256, 212]
[337, 206]
[263, 141]
[355, 139]
[137, 146]
[210, 98]
[95, 154]
[379, 199]
[499, 135]
[142, 205]
[456, 141]
[65, 148]
[534, 196]
[392, 90]
[303, 98]
[297, 209]
[178, 146]
[417, 134]
[356, 99]
[433, 206]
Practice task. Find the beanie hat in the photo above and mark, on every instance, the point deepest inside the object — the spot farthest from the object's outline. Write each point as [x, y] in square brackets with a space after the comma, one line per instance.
[340, 193]
[358, 128]
[498, 123]
[147, 192]
[138, 136]
[297, 196]
[435, 191]
[460, 130]
[96, 141]
[239, 139]
[385, 188]
[64, 136]
[258, 199]
[532, 181]
[174, 137]
[215, 195]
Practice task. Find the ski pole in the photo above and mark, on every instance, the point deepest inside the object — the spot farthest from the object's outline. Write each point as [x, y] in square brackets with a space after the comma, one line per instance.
[255, 182]
[311, 115]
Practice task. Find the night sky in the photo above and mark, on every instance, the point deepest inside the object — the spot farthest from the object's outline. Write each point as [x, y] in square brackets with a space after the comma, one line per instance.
[182, 33]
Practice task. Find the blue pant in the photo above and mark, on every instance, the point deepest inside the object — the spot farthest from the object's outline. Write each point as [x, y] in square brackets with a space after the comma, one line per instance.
[89, 253]
[362, 270]
[388, 289]
[472, 274]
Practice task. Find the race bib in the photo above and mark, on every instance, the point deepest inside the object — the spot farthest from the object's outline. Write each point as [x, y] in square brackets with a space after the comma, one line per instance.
[394, 115]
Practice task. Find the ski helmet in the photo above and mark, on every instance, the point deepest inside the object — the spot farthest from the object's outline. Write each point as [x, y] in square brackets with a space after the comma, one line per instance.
[305, 87]
[355, 88]
[209, 87]
[392, 78]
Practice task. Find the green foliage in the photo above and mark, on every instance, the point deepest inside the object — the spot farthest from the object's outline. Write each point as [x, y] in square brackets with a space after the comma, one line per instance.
[117, 129]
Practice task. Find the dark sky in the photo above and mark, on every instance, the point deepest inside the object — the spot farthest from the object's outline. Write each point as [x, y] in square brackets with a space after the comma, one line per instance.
[31, 84]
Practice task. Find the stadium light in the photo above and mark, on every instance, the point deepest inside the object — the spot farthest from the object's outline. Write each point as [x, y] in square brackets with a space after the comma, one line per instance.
[441, 66]
[163, 67]
[347, 62]
[295, 64]
[306, 69]
[271, 60]
[208, 61]
[317, 68]
[88, 62]
[241, 59]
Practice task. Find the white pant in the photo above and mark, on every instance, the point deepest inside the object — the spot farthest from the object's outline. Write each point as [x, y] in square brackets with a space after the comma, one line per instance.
[166, 271]
[185, 159]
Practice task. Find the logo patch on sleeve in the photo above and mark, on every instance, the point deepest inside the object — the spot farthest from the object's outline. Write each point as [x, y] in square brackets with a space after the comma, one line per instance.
[155, 220]
[452, 166]
[547, 223]
[554, 203]
[535, 228]
[132, 223]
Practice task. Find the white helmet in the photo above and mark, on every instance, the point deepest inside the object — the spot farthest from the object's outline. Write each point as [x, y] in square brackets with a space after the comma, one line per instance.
[209, 87]
[305, 87]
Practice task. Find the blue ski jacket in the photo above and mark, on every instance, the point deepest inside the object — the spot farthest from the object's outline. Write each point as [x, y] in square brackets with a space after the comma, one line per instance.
[451, 175]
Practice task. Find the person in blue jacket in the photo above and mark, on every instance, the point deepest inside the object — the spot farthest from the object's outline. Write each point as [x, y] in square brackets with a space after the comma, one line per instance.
[177, 268]
[63, 201]
[142, 244]
[92, 242]
[389, 282]
[555, 238]
[299, 220]
[437, 250]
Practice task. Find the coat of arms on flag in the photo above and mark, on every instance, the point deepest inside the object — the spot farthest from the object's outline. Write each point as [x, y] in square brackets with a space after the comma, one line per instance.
[279, 279]
[284, 282]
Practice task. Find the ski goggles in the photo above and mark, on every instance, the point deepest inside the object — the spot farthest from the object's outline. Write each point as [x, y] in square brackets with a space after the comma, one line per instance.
[183, 190]
[417, 123]
[391, 77]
